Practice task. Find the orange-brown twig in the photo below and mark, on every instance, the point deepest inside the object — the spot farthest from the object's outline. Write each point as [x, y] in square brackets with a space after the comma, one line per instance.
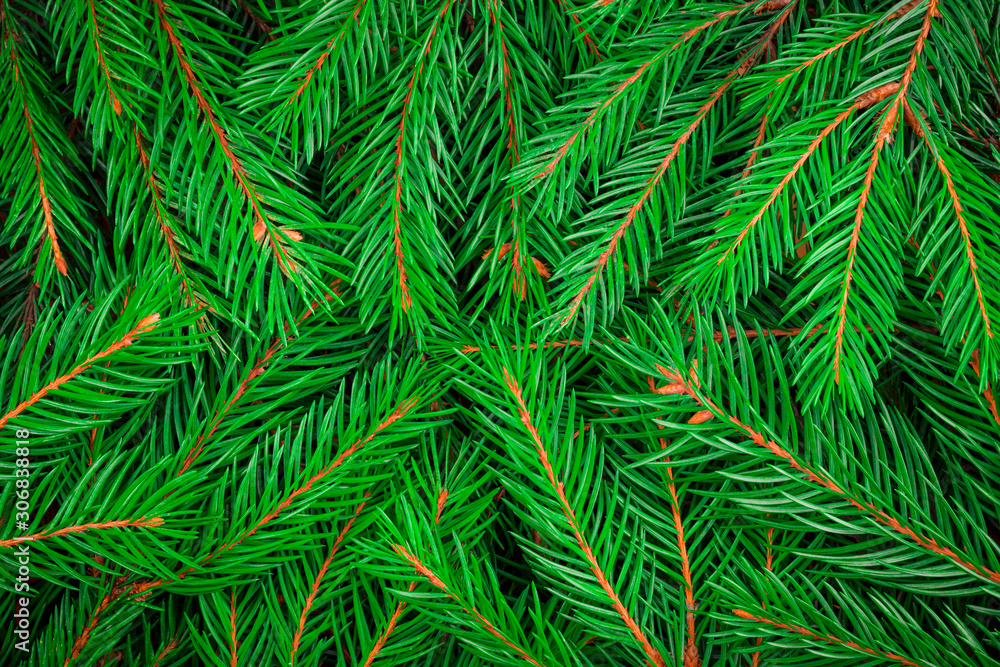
[141, 522]
[232, 627]
[691, 655]
[170, 646]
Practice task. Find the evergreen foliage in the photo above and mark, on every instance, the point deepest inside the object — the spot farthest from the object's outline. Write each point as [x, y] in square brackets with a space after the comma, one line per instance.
[468, 332]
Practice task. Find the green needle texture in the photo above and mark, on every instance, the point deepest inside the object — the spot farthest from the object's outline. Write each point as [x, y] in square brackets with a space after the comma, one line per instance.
[473, 333]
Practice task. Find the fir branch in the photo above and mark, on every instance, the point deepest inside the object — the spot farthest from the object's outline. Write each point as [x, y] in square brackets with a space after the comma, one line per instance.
[384, 637]
[472, 612]
[119, 590]
[515, 247]
[556, 158]
[397, 206]
[829, 639]
[881, 136]
[256, 371]
[616, 237]
[296, 640]
[862, 102]
[145, 325]
[95, 35]
[828, 51]
[160, 213]
[262, 228]
[556, 487]
[401, 411]
[814, 476]
[338, 37]
[12, 37]
[171, 645]
[964, 227]
[140, 590]
[401, 605]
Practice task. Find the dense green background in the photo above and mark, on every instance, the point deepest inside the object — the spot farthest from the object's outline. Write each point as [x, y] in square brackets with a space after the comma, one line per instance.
[463, 333]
